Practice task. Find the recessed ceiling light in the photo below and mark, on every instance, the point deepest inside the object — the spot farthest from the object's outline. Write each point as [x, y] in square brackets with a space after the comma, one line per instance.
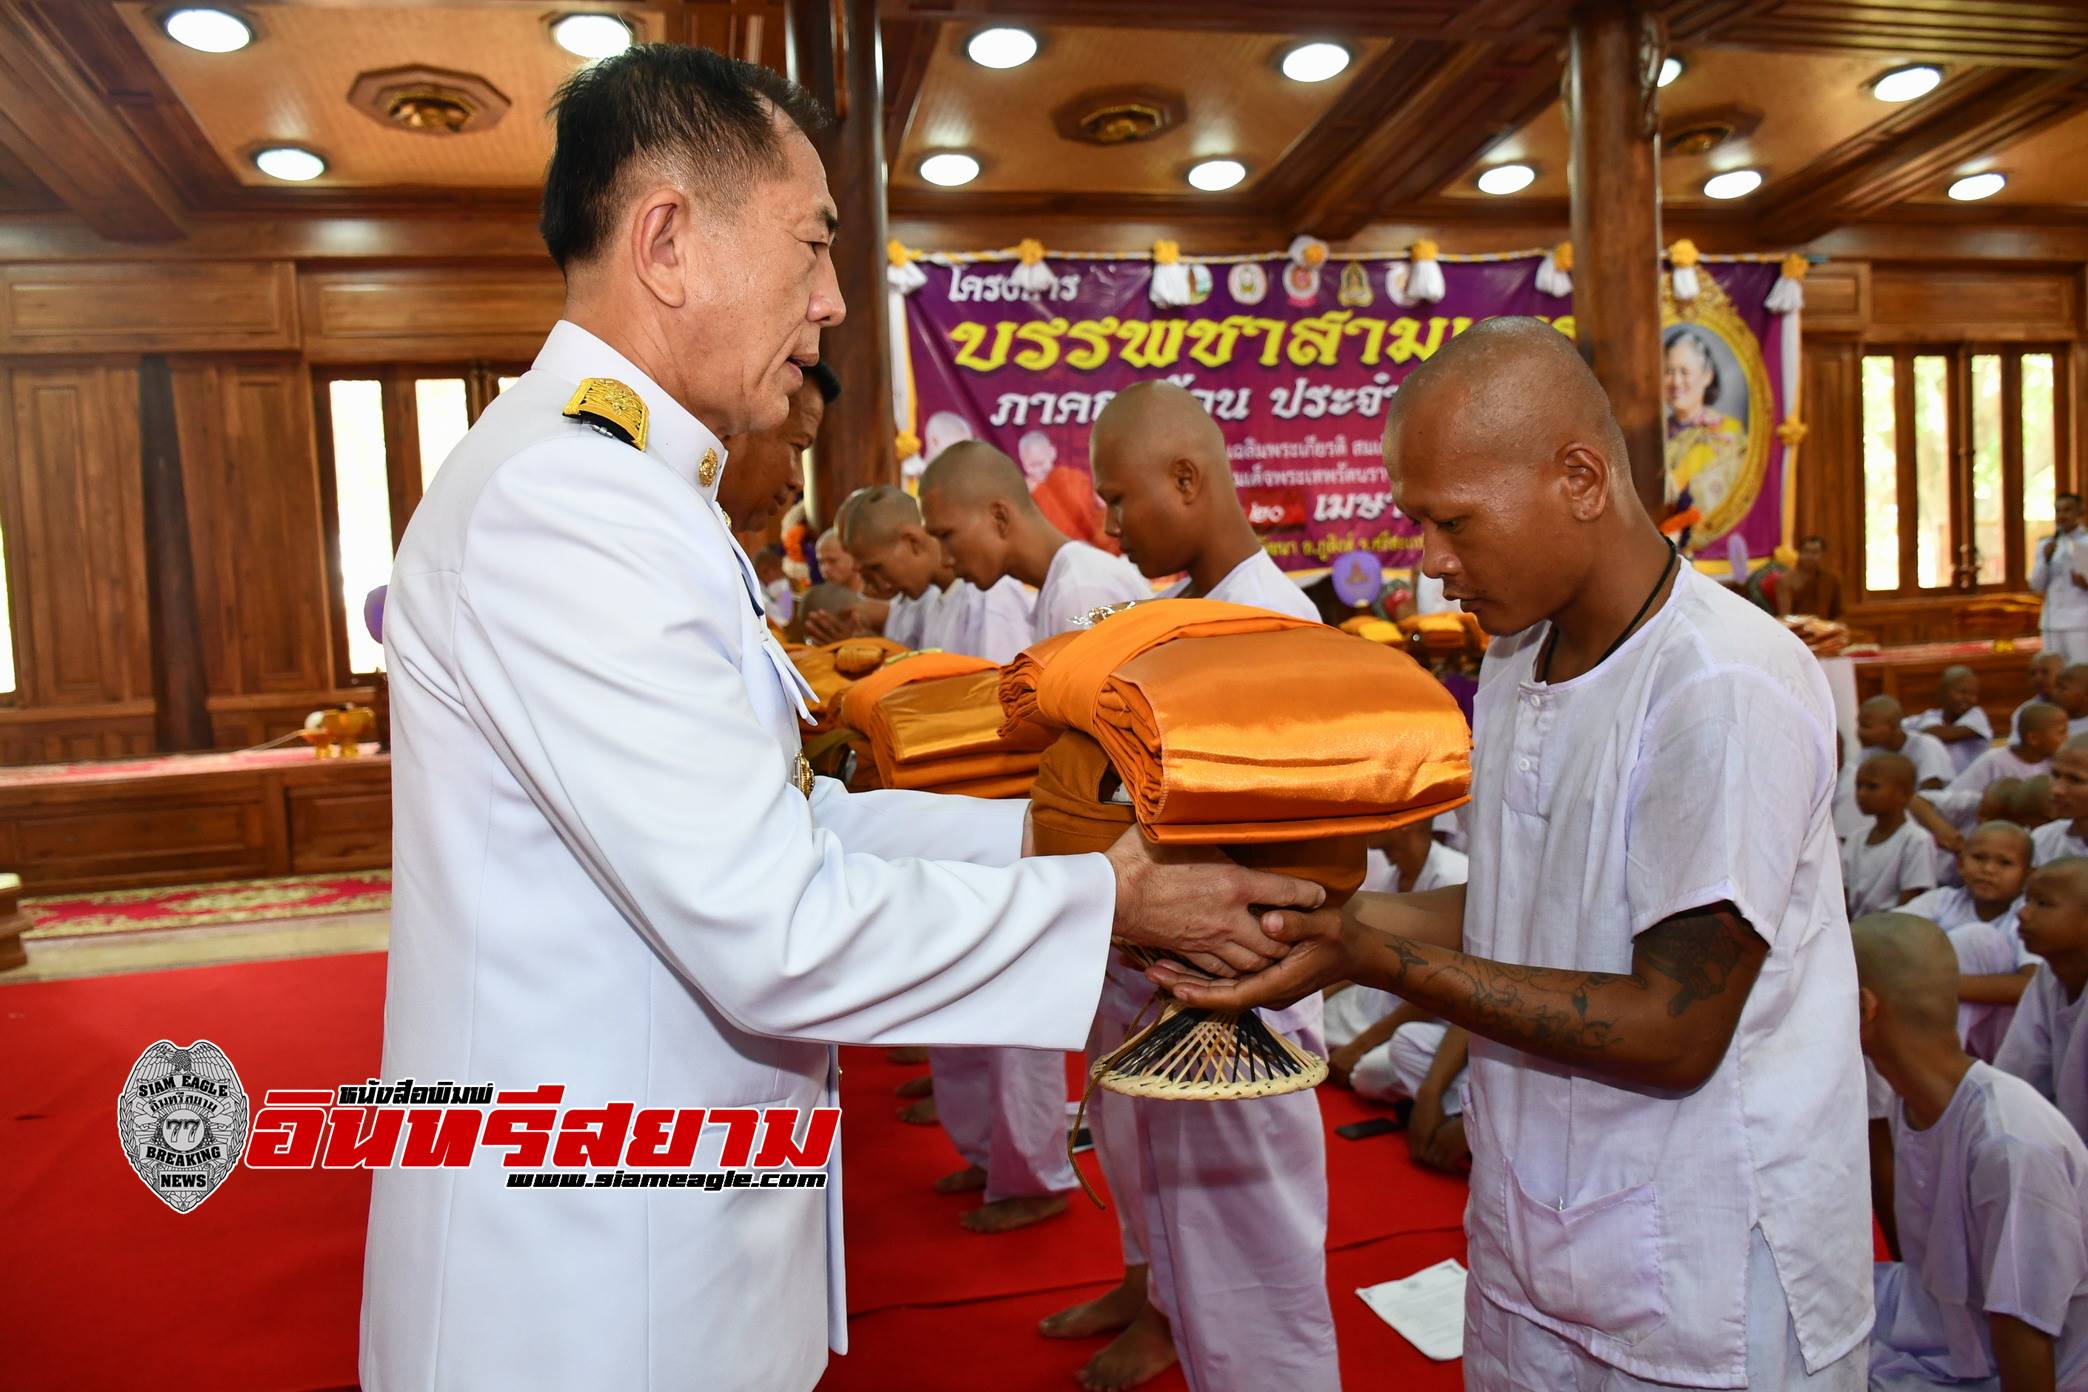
[593, 35]
[1506, 178]
[1670, 69]
[1002, 48]
[1734, 183]
[291, 163]
[949, 170]
[207, 31]
[1216, 176]
[1905, 84]
[1977, 186]
[1315, 62]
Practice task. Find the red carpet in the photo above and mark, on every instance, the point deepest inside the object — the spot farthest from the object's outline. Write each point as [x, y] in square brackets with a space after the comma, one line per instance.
[259, 1288]
[194, 906]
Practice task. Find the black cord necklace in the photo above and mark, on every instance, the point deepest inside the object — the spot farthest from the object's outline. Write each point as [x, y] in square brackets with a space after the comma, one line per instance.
[1544, 662]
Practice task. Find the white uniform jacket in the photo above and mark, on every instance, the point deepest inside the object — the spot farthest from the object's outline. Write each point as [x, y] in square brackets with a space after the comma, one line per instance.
[604, 878]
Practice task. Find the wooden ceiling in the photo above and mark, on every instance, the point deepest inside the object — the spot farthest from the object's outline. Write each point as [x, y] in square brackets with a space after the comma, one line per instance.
[102, 116]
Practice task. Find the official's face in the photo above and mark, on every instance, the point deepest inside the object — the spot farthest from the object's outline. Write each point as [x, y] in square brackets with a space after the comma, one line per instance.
[768, 290]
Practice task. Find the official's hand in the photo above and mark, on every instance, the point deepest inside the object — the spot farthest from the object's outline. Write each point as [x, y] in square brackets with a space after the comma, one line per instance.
[2079, 582]
[1194, 903]
[1446, 1148]
[1317, 957]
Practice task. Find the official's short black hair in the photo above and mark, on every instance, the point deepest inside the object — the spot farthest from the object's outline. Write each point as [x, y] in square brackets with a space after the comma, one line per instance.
[699, 113]
[822, 377]
[2073, 498]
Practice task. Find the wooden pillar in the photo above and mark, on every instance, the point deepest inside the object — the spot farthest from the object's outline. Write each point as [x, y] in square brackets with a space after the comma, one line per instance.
[1613, 59]
[855, 440]
[181, 713]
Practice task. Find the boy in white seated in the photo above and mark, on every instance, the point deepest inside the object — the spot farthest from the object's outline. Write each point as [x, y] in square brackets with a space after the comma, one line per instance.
[1890, 859]
[1880, 729]
[2040, 733]
[1991, 1193]
[1979, 917]
[1958, 720]
[2047, 1045]
[2067, 833]
[2044, 671]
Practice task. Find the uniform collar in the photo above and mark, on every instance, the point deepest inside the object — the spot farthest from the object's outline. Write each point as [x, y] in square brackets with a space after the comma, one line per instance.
[674, 437]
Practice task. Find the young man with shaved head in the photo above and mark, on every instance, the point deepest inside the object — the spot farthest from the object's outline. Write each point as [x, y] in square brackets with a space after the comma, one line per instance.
[1990, 1194]
[1203, 1190]
[2047, 1041]
[1667, 1114]
[882, 530]
[976, 503]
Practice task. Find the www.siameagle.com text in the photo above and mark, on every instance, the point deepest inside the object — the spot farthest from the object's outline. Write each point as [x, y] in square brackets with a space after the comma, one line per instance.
[709, 1181]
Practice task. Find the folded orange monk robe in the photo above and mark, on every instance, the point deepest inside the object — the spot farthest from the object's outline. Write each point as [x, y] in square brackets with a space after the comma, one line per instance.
[932, 722]
[832, 668]
[1073, 811]
[1231, 725]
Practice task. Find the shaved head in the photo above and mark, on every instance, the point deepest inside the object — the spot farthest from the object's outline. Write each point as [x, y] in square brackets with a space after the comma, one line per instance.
[1909, 965]
[1882, 708]
[1165, 480]
[2014, 837]
[1502, 446]
[973, 473]
[1894, 770]
[2068, 875]
[874, 516]
[977, 506]
[2041, 715]
[881, 527]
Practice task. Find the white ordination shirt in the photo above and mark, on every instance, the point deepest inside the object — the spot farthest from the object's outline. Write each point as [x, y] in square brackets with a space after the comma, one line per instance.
[1992, 1209]
[2047, 1045]
[1961, 752]
[1874, 877]
[1959, 800]
[993, 624]
[1695, 765]
[1081, 578]
[2054, 841]
[2065, 603]
[908, 617]
[604, 878]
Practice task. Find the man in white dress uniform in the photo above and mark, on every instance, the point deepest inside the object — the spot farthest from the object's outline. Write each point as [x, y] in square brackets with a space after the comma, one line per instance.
[610, 872]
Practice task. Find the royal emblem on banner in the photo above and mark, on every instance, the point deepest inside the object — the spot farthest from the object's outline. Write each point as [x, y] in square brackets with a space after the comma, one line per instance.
[1249, 284]
[182, 1118]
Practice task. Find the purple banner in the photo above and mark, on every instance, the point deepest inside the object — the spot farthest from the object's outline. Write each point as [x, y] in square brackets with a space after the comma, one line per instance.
[1296, 364]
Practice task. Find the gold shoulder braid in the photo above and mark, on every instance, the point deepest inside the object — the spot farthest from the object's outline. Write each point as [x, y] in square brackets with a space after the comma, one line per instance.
[801, 774]
[607, 405]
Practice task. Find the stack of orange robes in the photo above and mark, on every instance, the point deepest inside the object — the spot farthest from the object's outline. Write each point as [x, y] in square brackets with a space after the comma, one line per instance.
[831, 668]
[932, 721]
[1236, 726]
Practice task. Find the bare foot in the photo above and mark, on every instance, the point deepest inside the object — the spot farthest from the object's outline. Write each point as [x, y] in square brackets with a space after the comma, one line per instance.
[921, 1113]
[916, 1087]
[1108, 1312]
[1006, 1215]
[912, 1053]
[963, 1181]
[1139, 1354]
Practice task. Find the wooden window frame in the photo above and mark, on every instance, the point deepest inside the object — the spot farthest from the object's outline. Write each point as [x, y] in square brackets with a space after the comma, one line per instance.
[402, 456]
[1958, 444]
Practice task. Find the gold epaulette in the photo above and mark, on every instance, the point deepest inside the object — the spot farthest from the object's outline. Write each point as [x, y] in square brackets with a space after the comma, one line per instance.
[607, 405]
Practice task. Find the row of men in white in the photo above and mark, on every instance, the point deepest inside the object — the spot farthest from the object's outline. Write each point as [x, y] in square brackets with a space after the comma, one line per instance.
[605, 878]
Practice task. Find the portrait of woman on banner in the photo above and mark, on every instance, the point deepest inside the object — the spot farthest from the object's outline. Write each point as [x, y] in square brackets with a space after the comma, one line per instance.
[1714, 393]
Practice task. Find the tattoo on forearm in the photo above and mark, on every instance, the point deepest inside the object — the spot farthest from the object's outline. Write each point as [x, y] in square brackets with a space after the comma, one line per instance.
[1566, 1014]
[1698, 953]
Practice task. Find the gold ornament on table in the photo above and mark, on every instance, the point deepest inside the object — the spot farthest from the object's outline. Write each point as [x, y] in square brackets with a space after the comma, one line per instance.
[338, 733]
